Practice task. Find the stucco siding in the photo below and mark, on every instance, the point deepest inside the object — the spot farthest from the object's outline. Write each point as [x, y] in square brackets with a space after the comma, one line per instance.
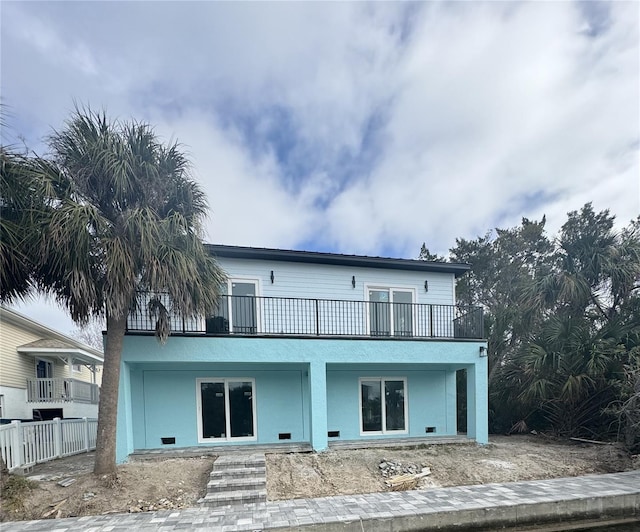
[14, 403]
[182, 349]
[278, 400]
[285, 384]
[428, 403]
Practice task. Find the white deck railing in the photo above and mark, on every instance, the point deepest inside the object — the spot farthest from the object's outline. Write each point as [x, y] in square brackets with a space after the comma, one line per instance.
[26, 444]
[62, 390]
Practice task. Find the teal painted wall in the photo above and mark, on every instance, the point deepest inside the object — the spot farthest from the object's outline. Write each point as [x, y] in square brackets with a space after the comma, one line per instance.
[303, 386]
[255, 350]
[429, 404]
[170, 410]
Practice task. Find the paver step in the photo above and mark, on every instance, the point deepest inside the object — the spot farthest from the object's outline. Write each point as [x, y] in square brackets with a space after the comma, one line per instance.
[226, 498]
[233, 484]
[235, 461]
[237, 479]
[238, 472]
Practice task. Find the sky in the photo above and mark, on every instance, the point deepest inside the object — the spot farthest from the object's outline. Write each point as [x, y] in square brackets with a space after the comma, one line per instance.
[359, 128]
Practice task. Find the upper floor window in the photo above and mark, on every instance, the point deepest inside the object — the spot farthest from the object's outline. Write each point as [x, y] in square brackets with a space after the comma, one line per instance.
[76, 368]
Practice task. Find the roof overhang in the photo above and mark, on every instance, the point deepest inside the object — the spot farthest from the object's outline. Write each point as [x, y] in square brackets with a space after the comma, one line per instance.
[314, 257]
[78, 356]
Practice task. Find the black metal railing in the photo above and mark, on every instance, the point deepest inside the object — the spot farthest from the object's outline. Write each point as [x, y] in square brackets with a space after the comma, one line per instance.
[248, 315]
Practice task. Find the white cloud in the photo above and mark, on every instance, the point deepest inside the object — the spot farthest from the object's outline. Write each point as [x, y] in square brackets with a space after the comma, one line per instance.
[360, 128]
[496, 107]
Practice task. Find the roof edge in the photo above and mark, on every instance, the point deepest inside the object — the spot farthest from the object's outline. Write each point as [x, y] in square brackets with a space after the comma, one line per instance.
[11, 316]
[317, 257]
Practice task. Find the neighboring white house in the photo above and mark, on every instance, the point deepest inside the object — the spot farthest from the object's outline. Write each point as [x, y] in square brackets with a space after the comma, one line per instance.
[43, 373]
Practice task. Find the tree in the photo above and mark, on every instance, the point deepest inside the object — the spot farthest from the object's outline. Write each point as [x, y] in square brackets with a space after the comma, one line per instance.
[425, 254]
[18, 199]
[90, 334]
[125, 218]
[561, 318]
[581, 358]
[504, 264]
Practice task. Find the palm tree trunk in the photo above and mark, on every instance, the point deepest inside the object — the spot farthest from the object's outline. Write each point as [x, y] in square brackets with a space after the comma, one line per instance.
[105, 463]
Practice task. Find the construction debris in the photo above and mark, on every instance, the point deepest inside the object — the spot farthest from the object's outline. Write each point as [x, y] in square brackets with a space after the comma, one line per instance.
[408, 478]
[56, 509]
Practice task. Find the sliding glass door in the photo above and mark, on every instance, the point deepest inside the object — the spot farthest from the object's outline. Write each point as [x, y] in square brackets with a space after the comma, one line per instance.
[226, 409]
[383, 405]
[390, 312]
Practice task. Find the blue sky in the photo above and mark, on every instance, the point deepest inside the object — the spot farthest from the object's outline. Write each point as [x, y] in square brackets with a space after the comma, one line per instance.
[363, 128]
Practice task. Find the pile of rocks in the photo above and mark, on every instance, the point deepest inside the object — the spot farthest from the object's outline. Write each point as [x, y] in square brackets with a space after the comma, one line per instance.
[390, 468]
[160, 504]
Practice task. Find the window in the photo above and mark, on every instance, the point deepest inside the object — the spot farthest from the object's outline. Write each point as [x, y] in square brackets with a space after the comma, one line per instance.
[226, 409]
[390, 311]
[76, 368]
[383, 405]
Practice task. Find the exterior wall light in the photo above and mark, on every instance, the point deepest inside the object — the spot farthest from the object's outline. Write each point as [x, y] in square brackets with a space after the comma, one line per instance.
[353, 281]
[426, 286]
[483, 351]
[272, 277]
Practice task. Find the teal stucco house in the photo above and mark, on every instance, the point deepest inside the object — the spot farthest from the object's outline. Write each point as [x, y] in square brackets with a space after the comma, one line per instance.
[308, 348]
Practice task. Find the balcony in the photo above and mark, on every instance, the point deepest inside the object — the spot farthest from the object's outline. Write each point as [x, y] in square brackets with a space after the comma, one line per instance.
[62, 391]
[278, 316]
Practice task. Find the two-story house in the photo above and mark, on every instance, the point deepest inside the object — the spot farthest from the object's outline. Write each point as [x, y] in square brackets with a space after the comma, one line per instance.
[45, 374]
[308, 348]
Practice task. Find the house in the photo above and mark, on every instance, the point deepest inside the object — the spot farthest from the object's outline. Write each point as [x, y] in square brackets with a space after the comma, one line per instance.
[45, 374]
[308, 348]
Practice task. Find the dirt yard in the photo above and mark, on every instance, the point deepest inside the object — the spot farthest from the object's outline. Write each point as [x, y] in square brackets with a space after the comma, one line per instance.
[180, 482]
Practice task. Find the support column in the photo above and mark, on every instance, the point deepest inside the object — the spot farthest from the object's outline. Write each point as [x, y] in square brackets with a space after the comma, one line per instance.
[318, 405]
[124, 427]
[478, 401]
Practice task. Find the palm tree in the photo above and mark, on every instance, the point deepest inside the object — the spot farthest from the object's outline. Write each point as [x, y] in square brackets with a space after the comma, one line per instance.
[17, 202]
[125, 219]
[572, 368]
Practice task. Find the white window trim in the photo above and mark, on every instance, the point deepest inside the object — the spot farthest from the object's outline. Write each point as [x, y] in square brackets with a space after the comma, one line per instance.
[74, 370]
[384, 409]
[225, 381]
[258, 285]
[390, 289]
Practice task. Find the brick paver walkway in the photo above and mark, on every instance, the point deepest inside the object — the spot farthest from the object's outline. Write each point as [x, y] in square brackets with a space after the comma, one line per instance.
[614, 495]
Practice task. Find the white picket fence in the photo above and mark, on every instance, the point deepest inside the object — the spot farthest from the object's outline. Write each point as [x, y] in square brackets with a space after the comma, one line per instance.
[25, 444]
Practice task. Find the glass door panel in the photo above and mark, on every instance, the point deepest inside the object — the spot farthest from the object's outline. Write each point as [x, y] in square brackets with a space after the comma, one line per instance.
[379, 315]
[214, 419]
[241, 409]
[243, 308]
[371, 406]
[394, 405]
[402, 313]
